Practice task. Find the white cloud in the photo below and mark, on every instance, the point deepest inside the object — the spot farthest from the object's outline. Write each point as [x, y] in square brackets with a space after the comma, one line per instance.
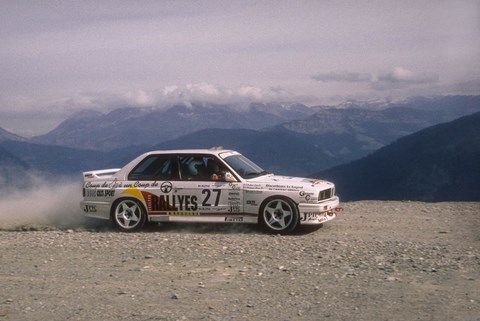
[398, 77]
[210, 93]
[201, 92]
[139, 98]
[343, 76]
[401, 77]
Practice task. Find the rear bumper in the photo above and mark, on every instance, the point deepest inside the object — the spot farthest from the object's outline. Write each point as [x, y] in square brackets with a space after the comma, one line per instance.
[318, 213]
[96, 209]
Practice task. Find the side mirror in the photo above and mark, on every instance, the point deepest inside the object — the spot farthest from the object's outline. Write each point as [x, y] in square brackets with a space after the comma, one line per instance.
[229, 177]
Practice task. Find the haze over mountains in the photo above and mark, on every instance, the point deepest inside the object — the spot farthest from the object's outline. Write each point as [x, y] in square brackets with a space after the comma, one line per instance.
[288, 139]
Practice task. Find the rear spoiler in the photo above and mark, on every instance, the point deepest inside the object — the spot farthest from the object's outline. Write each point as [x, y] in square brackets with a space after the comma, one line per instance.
[103, 173]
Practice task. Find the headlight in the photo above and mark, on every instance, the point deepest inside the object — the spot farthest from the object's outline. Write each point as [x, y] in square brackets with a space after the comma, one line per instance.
[325, 194]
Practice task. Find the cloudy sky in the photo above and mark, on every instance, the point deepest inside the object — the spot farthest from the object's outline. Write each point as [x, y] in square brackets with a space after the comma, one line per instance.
[56, 57]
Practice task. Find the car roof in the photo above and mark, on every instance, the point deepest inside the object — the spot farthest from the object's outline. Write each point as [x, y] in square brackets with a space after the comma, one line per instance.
[212, 151]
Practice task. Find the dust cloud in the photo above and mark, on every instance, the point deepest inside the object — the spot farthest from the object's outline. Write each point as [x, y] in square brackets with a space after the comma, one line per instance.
[42, 205]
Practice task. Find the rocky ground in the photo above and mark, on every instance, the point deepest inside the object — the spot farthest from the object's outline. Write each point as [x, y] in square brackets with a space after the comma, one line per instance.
[376, 261]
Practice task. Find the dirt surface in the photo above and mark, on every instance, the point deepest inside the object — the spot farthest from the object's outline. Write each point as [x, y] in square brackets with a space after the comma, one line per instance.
[376, 261]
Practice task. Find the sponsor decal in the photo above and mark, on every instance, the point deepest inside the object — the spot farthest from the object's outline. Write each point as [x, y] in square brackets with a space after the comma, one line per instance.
[254, 192]
[105, 185]
[252, 203]
[252, 186]
[139, 184]
[92, 185]
[170, 203]
[180, 213]
[233, 185]
[99, 192]
[203, 185]
[313, 216]
[166, 187]
[234, 208]
[220, 209]
[179, 203]
[233, 219]
[287, 188]
[133, 191]
[90, 209]
[306, 195]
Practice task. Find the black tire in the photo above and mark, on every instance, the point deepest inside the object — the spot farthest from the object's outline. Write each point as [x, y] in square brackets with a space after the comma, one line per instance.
[128, 215]
[273, 215]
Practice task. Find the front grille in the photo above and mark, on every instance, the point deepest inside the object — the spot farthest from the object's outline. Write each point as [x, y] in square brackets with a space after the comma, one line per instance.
[325, 194]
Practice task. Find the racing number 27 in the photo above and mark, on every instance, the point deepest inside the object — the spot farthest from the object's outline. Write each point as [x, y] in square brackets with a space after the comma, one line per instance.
[209, 193]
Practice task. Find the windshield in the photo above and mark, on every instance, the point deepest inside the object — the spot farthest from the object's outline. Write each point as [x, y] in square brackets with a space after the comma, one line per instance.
[244, 167]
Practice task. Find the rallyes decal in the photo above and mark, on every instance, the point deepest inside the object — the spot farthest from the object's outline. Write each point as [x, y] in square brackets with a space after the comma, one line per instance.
[174, 204]
[170, 203]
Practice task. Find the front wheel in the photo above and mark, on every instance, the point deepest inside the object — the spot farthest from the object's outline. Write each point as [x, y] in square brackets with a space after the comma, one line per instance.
[129, 215]
[279, 215]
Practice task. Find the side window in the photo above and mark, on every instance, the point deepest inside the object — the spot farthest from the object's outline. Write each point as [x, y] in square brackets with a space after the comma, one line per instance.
[155, 167]
[201, 168]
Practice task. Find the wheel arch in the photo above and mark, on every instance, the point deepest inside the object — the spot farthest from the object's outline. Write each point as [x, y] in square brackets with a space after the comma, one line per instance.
[271, 197]
[118, 200]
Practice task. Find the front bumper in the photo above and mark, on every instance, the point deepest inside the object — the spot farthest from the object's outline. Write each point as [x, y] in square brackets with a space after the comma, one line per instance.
[318, 213]
[96, 209]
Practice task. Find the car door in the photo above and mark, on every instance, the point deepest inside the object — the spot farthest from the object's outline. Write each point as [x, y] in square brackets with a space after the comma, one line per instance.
[202, 178]
[153, 180]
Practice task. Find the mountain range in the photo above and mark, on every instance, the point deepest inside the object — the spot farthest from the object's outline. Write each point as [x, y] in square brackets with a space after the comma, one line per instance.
[286, 139]
[6, 135]
[13, 171]
[439, 163]
[149, 126]
[370, 128]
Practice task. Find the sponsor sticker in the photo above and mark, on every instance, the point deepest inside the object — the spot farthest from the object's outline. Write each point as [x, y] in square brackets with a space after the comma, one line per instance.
[313, 216]
[90, 209]
[166, 187]
[233, 219]
[99, 192]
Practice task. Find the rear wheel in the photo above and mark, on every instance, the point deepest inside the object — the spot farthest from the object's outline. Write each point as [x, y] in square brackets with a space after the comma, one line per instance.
[129, 215]
[279, 215]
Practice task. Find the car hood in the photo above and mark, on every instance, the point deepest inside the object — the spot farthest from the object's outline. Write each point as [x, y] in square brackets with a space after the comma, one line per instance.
[291, 180]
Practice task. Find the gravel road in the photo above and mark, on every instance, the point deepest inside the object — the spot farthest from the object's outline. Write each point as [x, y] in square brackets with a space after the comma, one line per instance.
[376, 261]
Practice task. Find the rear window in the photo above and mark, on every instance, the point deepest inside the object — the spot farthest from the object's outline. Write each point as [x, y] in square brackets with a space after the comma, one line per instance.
[155, 167]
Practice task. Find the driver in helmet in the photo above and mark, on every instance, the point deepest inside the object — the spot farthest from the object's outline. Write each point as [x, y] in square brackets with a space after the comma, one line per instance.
[214, 170]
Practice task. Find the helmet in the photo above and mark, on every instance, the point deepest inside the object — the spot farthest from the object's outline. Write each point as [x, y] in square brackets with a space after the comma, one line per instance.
[194, 166]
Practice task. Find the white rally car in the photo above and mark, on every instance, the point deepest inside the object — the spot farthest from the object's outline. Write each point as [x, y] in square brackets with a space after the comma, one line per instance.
[205, 185]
